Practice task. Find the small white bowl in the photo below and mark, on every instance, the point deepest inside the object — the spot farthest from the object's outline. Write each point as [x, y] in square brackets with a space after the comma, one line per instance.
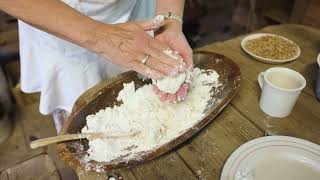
[266, 60]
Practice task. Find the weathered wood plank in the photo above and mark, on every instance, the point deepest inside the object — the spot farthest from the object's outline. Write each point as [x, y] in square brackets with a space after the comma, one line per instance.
[169, 166]
[36, 125]
[304, 122]
[206, 153]
[40, 167]
[15, 149]
[305, 37]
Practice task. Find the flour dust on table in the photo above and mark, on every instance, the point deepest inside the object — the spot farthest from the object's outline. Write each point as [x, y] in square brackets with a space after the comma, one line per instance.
[157, 122]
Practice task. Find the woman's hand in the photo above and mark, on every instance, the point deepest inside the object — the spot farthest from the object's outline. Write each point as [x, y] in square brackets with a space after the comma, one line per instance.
[127, 44]
[172, 35]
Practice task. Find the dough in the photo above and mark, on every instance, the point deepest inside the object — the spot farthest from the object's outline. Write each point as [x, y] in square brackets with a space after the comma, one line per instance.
[170, 84]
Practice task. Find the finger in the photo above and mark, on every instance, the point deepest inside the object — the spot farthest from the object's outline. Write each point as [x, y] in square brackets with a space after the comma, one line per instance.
[187, 56]
[163, 96]
[149, 25]
[189, 61]
[155, 49]
[181, 45]
[157, 65]
[155, 89]
[161, 67]
[172, 97]
[182, 92]
[145, 70]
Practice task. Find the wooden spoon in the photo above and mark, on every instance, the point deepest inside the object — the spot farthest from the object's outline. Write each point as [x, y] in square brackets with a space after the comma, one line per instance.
[68, 137]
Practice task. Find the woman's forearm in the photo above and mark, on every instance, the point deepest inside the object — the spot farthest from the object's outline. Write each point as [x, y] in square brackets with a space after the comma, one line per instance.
[52, 16]
[125, 44]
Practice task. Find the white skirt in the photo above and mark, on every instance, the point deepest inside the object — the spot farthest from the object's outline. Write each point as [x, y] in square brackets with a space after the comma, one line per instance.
[62, 71]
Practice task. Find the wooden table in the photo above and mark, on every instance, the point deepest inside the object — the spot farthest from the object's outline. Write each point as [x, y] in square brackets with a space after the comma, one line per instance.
[17, 159]
[203, 156]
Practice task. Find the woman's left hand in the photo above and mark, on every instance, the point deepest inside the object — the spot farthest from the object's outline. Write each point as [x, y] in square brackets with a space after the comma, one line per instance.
[171, 34]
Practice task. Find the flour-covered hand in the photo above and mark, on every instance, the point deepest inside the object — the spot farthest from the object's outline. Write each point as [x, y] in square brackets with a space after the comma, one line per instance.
[128, 43]
[171, 34]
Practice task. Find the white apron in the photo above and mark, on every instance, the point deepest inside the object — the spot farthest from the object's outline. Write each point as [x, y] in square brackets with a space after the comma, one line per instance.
[62, 71]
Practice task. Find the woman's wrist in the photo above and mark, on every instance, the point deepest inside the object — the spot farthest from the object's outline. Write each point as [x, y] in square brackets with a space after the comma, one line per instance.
[93, 35]
[173, 25]
[171, 20]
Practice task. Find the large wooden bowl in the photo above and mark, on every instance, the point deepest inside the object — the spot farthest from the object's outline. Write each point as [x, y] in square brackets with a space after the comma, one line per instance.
[105, 94]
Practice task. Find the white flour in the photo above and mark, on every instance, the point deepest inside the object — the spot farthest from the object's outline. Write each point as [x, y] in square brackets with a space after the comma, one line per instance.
[158, 122]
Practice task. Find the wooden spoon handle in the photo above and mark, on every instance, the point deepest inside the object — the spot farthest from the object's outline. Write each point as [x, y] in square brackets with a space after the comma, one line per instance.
[68, 137]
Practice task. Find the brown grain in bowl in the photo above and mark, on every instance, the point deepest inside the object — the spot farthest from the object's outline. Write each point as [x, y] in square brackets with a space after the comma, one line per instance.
[272, 47]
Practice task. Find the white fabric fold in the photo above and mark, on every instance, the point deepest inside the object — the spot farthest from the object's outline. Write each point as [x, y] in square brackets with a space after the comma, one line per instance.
[62, 71]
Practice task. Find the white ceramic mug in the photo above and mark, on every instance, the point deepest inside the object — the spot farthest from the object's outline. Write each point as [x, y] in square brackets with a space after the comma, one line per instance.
[281, 88]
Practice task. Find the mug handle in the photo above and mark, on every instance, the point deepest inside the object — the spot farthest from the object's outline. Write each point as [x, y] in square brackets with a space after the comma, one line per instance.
[260, 79]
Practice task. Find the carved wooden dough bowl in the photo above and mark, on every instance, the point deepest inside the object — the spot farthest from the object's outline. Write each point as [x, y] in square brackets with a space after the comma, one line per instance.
[73, 152]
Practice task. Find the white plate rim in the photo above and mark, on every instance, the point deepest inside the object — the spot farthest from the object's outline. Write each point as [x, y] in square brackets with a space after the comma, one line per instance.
[272, 61]
[230, 163]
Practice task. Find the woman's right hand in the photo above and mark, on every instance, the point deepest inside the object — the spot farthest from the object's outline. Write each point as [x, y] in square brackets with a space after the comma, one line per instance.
[128, 43]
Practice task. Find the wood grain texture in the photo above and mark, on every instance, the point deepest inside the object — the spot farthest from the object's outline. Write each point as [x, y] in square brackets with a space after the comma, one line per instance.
[304, 121]
[15, 149]
[40, 167]
[35, 126]
[206, 153]
[306, 38]
[167, 167]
